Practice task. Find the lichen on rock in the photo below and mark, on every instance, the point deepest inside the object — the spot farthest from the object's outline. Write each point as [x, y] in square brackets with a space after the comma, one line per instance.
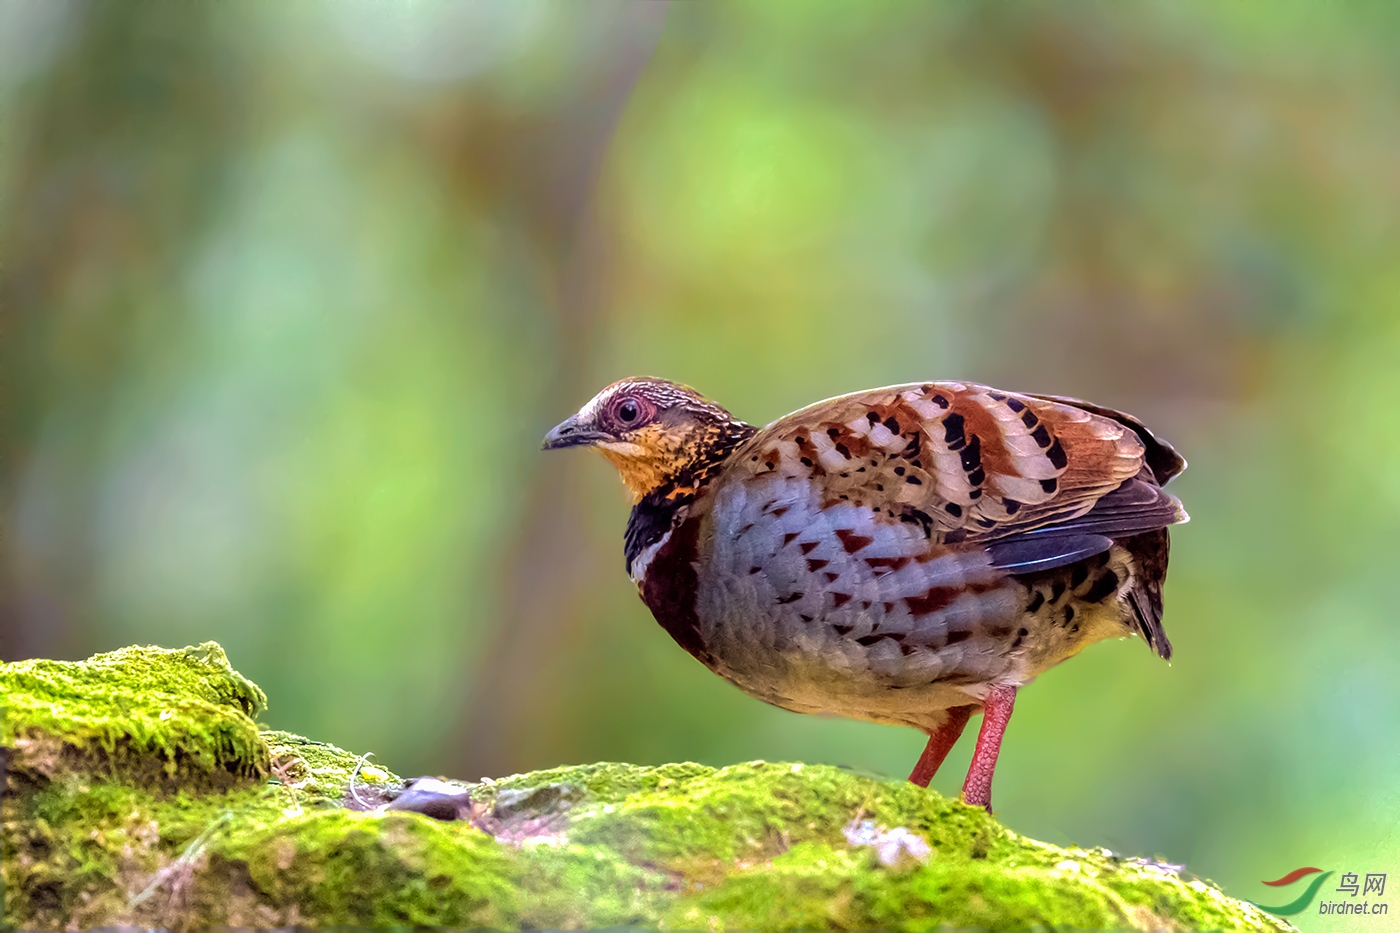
[141, 792]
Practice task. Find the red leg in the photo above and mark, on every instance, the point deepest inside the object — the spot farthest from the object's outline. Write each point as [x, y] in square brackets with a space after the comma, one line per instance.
[996, 713]
[940, 742]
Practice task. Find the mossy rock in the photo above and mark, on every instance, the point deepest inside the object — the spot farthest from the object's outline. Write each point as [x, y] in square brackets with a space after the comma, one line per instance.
[141, 792]
[182, 718]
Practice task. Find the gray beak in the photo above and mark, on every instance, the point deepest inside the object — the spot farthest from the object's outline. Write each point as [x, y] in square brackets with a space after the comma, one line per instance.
[570, 433]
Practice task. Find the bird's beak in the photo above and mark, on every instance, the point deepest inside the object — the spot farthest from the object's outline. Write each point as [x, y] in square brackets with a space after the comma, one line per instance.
[569, 433]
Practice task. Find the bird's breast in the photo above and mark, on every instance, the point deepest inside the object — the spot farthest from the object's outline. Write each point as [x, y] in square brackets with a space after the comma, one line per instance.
[816, 607]
[665, 571]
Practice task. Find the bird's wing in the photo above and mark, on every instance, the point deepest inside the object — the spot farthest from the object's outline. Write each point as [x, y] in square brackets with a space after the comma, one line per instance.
[1039, 482]
[1161, 458]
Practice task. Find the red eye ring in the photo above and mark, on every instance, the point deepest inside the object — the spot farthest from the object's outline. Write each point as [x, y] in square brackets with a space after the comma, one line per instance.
[629, 411]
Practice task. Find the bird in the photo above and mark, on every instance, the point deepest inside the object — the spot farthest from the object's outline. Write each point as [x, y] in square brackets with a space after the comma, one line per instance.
[907, 555]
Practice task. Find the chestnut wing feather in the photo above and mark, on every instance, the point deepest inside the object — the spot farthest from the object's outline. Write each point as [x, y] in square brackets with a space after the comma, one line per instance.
[1039, 481]
[1161, 457]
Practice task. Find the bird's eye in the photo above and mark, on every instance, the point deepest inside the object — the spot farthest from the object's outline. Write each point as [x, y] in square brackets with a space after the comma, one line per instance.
[628, 411]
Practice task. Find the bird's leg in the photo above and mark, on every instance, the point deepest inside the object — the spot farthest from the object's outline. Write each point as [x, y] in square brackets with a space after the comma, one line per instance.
[996, 713]
[940, 742]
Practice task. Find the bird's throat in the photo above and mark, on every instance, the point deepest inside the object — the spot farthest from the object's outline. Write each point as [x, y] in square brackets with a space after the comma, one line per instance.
[664, 490]
[640, 471]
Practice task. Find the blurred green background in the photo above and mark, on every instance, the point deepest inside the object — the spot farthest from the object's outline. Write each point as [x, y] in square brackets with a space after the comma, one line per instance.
[291, 291]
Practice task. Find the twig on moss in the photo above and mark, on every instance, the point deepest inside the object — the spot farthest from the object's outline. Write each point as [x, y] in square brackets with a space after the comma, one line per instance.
[356, 773]
[192, 852]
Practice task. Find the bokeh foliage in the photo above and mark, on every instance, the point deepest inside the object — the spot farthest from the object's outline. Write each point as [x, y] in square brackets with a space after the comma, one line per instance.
[290, 293]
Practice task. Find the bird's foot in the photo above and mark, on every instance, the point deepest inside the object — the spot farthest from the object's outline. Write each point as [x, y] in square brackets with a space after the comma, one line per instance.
[996, 713]
[940, 742]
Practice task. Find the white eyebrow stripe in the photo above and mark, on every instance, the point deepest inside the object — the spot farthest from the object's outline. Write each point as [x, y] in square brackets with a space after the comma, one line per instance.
[590, 409]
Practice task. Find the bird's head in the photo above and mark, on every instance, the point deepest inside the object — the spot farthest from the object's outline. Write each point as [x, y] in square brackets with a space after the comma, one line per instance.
[661, 436]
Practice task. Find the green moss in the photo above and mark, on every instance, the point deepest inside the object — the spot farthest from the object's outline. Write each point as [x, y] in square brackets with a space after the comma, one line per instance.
[114, 818]
[573, 887]
[763, 846]
[319, 773]
[339, 867]
[817, 886]
[810, 887]
[77, 850]
[184, 715]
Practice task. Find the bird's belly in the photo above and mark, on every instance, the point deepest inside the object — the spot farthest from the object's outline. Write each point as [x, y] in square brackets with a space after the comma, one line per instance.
[807, 668]
[829, 609]
[841, 664]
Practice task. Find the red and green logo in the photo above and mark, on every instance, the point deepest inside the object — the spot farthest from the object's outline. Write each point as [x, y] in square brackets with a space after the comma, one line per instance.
[1303, 900]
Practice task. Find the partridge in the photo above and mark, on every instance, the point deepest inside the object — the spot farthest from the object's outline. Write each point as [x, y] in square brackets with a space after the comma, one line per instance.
[910, 555]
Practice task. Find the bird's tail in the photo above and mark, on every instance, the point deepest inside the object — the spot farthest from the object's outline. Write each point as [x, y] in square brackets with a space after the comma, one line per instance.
[1150, 550]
